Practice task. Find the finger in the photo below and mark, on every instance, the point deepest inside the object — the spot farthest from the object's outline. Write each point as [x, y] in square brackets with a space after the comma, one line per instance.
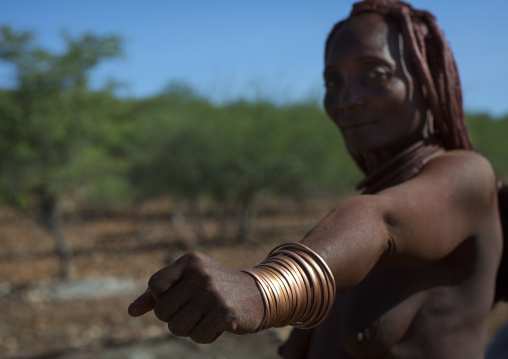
[185, 319]
[171, 302]
[143, 304]
[167, 277]
[207, 330]
[205, 339]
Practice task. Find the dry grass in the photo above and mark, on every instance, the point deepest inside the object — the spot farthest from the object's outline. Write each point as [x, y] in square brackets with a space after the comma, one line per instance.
[123, 245]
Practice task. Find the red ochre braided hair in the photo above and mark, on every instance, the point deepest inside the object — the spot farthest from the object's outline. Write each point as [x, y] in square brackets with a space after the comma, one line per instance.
[437, 72]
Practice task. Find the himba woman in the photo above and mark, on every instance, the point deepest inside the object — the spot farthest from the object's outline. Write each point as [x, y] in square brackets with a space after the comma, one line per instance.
[405, 270]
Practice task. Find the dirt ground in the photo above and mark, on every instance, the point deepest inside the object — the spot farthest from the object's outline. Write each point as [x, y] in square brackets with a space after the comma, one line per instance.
[115, 254]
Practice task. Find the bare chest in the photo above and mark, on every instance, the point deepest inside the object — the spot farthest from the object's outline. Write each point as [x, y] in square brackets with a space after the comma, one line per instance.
[385, 311]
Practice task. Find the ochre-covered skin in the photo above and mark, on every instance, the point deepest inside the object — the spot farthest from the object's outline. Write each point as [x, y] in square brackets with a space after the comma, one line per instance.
[415, 262]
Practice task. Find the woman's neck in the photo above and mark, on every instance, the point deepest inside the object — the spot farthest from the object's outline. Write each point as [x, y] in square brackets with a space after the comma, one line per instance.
[386, 169]
[376, 160]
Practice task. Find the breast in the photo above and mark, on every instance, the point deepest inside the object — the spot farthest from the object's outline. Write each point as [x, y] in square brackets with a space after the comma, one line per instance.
[376, 314]
[397, 308]
[371, 318]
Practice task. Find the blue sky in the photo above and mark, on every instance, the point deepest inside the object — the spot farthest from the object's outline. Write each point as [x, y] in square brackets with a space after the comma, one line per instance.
[233, 48]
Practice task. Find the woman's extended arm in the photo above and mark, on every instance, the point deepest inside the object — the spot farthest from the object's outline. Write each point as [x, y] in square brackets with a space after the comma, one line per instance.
[419, 221]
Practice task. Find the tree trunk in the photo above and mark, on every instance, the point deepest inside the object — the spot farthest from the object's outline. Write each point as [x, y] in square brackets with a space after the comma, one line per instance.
[224, 216]
[245, 217]
[49, 217]
[196, 222]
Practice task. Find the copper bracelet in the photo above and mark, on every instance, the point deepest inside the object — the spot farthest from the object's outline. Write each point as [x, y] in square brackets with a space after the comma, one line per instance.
[296, 285]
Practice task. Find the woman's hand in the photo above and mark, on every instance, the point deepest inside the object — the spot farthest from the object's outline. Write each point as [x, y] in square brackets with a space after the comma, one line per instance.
[201, 298]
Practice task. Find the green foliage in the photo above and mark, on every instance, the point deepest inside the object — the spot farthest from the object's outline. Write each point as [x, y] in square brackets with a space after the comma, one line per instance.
[59, 135]
[189, 148]
[41, 71]
[489, 135]
[53, 128]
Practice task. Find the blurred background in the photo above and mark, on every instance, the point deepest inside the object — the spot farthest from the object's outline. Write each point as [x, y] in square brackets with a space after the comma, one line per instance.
[132, 132]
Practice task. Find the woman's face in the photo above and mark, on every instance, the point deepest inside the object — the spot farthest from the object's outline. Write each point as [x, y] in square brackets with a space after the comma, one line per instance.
[370, 93]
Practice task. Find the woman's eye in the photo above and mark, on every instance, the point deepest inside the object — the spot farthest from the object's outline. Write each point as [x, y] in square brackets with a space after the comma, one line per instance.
[378, 75]
[331, 83]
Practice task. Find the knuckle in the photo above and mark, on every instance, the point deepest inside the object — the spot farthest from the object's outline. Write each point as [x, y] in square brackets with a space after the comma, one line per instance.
[208, 329]
[152, 284]
[159, 281]
[155, 286]
[202, 274]
[192, 256]
[152, 281]
[196, 267]
[159, 313]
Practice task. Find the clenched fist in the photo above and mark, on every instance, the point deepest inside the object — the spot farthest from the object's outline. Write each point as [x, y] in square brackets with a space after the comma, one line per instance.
[201, 298]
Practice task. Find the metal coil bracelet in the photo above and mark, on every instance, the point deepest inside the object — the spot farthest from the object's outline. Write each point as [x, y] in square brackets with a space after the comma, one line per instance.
[296, 285]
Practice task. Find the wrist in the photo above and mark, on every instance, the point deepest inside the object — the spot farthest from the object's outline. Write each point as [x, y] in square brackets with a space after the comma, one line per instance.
[296, 286]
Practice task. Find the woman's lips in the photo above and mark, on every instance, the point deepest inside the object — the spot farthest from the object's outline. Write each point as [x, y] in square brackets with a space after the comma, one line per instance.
[352, 125]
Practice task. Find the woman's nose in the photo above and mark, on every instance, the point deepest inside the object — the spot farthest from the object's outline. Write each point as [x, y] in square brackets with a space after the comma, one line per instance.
[349, 97]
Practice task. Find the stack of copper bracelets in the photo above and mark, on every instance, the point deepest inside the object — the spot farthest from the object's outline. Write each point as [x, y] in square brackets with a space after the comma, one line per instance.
[296, 285]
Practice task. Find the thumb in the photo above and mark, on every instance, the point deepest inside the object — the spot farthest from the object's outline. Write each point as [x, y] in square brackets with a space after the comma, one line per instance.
[143, 304]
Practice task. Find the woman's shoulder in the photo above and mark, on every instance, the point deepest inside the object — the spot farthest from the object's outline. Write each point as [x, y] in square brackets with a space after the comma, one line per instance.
[463, 158]
[468, 174]
[464, 164]
[460, 180]
[453, 198]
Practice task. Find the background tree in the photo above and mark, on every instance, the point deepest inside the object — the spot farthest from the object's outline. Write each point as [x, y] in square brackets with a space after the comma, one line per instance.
[52, 124]
[489, 135]
[232, 154]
